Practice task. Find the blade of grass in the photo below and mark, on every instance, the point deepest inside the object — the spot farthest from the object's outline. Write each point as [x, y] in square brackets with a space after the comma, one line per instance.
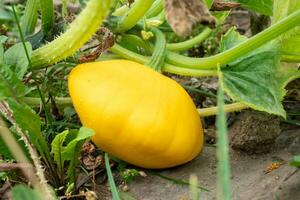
[194, 190]
[223, 166]
[176, 181]
[111, 181]
[21, 34]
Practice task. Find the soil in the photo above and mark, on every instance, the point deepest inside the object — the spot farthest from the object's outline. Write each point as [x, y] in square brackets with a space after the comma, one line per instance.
[252, 177]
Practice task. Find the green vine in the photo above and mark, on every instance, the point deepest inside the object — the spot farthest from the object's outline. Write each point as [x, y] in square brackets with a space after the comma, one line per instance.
[227, 56]
[136, 12]
[79, 32]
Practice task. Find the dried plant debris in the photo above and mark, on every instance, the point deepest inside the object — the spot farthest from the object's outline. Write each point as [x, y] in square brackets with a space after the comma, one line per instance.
[221, 6]
[183, 15]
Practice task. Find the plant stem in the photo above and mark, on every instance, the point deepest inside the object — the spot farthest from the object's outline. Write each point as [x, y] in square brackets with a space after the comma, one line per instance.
[205, 112]
[79, 32]
[182, 46]
[155, 9]
[30, 17]
[121, 11]
[159, 53]
[61, 102]
[136, 12]
[243, 48]
[47, 16]
[125, 53]
[223, 164]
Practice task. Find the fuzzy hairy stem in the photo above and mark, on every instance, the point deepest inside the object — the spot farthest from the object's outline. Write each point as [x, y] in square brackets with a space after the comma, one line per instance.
[39, 181]
[79, 32]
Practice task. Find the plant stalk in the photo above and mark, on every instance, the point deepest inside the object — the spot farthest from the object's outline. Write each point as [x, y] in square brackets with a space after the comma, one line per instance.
[182, 46]
[136, 12]
[243, 48]
[205, 112]
[125, 53]
[79, 32]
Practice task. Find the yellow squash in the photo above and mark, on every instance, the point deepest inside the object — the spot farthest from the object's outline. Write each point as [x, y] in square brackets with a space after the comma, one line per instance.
[139, 115]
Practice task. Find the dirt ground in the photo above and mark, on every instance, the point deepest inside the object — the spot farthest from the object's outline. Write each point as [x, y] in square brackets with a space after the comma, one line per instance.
[249, 177]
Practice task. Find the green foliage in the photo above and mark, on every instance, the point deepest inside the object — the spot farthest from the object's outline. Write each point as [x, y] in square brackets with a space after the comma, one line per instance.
[128, 175]
[10, 85]
[111, 181]
[71, 150]
[194, 190]
[223, 165]
[256, 79]
[57, 149]
[16, 58]
[22, 192]
[295, 161]
[290, 41]
[30, 17]
[262, 6]
[209, 3]
[47, 16]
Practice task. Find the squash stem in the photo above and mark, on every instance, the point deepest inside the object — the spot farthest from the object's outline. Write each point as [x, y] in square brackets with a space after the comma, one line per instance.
[79, 32]
[205, 112]
[227, 56]
[182, 46]
[159, 53]
[155, 9]
[136, 12]
[125, 53]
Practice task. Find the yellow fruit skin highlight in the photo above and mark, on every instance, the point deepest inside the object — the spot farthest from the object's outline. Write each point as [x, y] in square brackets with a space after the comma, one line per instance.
[139, 115]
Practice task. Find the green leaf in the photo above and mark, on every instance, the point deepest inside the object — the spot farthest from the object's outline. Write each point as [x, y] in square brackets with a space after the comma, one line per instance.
[256, 79]
[2, 40]
[295, 161]
[16, 58]
[30, 123]
[290, 41]
[22, 192]
[262, 6]
[10, 85]
[57, 149]
[72, 150]
[5, 16]
[209, 3]
[26, 118]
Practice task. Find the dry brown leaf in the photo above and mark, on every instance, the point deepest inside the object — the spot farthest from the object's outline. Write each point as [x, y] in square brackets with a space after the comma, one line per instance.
[183, 15]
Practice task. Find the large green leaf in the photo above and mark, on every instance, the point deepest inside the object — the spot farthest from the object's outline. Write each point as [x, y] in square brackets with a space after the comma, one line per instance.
[10, 85]
[22, 192]
[16, 58]
[256, 79]
[262, 6]
[30, 123]
[290, 41]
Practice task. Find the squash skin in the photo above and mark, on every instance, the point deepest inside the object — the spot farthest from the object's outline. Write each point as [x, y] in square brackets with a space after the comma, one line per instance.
[139, 115]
